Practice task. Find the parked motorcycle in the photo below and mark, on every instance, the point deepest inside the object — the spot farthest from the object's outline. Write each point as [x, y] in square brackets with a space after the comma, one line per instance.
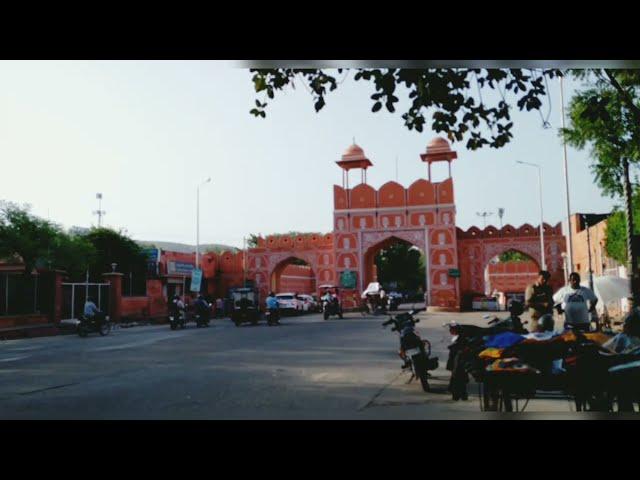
[415, 351]
[102, 325]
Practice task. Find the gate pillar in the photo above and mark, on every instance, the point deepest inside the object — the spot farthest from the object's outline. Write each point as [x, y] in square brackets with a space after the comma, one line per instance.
[115, 294]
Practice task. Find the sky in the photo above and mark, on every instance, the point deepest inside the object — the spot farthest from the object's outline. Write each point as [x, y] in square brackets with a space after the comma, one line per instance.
[146, 133]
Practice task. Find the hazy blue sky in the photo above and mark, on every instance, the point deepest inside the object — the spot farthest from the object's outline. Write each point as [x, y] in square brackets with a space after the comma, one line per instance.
[146, 133]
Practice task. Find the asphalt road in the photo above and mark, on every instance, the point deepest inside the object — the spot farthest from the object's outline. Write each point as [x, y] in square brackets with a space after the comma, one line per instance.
[307, 368]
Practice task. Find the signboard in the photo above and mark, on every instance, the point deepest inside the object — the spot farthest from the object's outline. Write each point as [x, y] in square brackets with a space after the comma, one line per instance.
[182, 268]
[454, 272]
[153, 255]
[196, 279]
[348, 279]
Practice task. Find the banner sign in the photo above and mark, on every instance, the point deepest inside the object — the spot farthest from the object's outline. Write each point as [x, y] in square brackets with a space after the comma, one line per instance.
[348, 279]
[196, 279]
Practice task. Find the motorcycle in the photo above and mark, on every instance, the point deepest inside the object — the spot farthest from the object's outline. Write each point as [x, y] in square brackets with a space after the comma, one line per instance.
[272, 316]
[178, 319]
[331, 308]
[88, 325]
[414, 351]
[393, 302]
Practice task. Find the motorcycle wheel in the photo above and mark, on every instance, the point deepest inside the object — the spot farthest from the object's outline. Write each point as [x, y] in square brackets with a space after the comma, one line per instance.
[173, 325]
[82, 331]
[237, 322]
[340, 316]
[326, 315]
[420, 368]
[105, 328]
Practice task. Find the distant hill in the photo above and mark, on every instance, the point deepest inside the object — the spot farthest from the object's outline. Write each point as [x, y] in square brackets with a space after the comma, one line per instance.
[185, 248]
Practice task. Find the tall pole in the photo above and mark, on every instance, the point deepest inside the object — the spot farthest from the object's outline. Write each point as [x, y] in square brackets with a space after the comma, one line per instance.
[542, 256]
[198, 222]
[569, 237]
[586, 223]
[544, 263]
[198, 227]
[244, 262]
[632, 265]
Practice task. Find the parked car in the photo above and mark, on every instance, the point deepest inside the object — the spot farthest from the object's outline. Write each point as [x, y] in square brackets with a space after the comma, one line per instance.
[485, 303]
[289, 303]
[308, 303]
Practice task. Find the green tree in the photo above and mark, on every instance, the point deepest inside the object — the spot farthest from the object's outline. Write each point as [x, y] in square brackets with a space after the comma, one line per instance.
[39, 243]
[616, 233]
[113, 246]
[453, 95]
[402, 264]
[513, 256]
[605, 116]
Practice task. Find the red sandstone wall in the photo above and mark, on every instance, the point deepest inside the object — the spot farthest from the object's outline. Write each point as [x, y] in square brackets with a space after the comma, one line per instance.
[297, 279]
[512, 277]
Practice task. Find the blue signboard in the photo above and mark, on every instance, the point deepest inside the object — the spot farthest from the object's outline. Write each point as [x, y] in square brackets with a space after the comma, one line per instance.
[180, 268]
[153, 254]
[196, 279]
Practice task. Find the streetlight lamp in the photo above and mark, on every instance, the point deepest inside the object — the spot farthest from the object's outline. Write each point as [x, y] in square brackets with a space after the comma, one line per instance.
[544, 264]
[500, 214]
[198, 223]
[484, 216]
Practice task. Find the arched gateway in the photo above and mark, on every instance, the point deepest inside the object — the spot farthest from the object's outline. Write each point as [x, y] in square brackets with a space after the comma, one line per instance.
[422, 215]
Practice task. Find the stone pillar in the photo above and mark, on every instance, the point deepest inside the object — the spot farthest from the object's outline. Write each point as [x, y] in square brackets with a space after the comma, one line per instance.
[56, 309]
[115, 294]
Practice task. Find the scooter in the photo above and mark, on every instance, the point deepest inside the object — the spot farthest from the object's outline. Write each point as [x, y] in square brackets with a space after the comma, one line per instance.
[415, 351]
[88, 325]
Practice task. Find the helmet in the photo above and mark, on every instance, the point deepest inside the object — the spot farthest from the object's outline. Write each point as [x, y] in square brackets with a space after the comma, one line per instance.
[546, 323]
[516, 308]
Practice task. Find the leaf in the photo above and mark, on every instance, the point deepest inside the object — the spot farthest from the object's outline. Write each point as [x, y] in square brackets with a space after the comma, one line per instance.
[376, 106]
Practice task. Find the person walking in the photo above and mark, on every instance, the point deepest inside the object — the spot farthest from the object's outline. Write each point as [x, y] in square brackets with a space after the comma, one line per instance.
[573, 301]
[538, 298]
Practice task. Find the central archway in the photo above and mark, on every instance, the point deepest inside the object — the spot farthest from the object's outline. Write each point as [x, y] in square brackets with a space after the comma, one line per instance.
[293, 274]
[376, 257]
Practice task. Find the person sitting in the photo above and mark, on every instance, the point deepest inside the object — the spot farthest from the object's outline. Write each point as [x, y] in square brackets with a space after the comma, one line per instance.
[92, 312]
[629, 339]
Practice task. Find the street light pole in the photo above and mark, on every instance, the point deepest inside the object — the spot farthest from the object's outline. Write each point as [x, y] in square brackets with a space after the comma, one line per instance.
[586, 225]
[198, 222]
[566, 185]
[542, 259]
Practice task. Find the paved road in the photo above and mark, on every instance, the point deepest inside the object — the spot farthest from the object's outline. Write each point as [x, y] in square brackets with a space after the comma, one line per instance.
[307, 368]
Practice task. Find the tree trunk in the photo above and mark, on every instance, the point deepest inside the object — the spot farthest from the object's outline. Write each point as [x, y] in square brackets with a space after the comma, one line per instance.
[632, 262]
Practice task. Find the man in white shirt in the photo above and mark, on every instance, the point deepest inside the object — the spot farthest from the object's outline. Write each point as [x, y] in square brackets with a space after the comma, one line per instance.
[573, 303]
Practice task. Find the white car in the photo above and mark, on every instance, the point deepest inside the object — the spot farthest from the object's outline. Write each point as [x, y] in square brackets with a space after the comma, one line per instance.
[289, 302]
[308, 303]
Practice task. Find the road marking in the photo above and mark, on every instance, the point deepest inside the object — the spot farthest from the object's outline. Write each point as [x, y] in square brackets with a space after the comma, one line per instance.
[13, 359]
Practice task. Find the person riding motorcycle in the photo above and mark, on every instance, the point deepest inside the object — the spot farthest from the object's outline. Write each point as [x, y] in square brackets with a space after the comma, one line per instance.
[273, 308]
[203, 308]
[92, 312]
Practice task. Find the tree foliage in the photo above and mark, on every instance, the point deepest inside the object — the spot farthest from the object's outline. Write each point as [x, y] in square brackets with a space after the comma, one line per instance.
[605, 116]
[513, 256]
[453, 96]
[39, 243]
[616, 234]
[402, 264]
[112, 246]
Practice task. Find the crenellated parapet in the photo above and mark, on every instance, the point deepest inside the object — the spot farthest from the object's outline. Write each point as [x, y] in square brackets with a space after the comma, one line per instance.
[301, 242]
[509, 231]
[420, 193]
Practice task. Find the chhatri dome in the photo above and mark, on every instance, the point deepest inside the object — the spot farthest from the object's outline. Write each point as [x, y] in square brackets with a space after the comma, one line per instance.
[354, 157]
[438, 149]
